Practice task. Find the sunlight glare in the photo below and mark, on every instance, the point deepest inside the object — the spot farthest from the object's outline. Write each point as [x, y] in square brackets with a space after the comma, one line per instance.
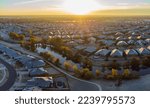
[80, 7]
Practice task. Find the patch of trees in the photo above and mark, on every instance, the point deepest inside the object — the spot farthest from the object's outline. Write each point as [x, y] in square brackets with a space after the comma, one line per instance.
[126, 74]
[47, 56]
[30, 44]
[146, 61]
[135, 64]
[84, 73]
[15, 36]
[59, 46]
[87, 63]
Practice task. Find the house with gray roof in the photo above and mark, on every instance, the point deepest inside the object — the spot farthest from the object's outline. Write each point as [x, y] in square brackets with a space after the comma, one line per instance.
[38, 72]
[131, 52]
[9, 52]
[42, 82]
[147, 40]
[90, 49]
[103, 52]
[143, 51]
[122, 43]
[30, 62]
[35, 63]
[131, 42]
[116, 53]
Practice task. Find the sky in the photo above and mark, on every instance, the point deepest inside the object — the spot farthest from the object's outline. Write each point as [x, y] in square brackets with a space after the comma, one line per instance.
[48, 7]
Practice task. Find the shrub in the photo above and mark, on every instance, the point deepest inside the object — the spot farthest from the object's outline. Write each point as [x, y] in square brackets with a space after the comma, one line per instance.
[67, 65]
[135, 64]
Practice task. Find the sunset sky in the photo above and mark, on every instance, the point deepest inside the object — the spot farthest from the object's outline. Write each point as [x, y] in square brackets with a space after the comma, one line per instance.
[50, 7]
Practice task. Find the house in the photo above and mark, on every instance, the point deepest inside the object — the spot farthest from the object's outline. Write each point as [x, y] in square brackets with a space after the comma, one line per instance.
[32, 89]
[119, 38]
[147, 41]
[38, 72]
[139, 37]
[131, 52]
[92, 40]
[141, 42]
[90, 49]
[9, 52]
[23, 59]
[107, 42]
[42, 82]
[131, 42]
[80, 47]
[143, 51]
[122, 43]
[119, 34]
[103, 52]
[34, 63]
[101, 37]
[131, 38]
[116, 53]
[80, 41]
[1, 47]
[30, 62]
[148, 48]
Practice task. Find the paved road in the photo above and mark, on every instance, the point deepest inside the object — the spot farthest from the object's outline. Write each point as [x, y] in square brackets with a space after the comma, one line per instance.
[76, 84]
[12, 76]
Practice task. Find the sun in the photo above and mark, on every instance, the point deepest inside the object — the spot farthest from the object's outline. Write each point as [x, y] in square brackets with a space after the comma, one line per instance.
[80, 7]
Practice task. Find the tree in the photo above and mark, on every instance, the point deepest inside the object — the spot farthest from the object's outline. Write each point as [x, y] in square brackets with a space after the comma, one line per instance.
[66, 51]
[98, 73]
[56, 61]
[16, 36]
[114, 72]
[114, 65]
[26, 45]
[21, 37]
[126, 72]
[67, 65]
[77, 71]
[43, 42]
[85, 39]
[75, 68]
[146, 61]
[33, 48]
[86, 73]
[87, 63]
[32, 40]
[126, 65]
[47, 56]
[13, 35]
[30, 32]
[77, 58]
[56, 41]
[135, 64]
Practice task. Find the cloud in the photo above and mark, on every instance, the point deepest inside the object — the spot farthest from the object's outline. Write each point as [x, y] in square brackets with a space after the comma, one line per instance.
[30, 1]
[123, 4]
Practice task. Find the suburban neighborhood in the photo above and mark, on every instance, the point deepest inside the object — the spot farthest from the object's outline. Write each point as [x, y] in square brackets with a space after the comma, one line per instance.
[74, 53]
